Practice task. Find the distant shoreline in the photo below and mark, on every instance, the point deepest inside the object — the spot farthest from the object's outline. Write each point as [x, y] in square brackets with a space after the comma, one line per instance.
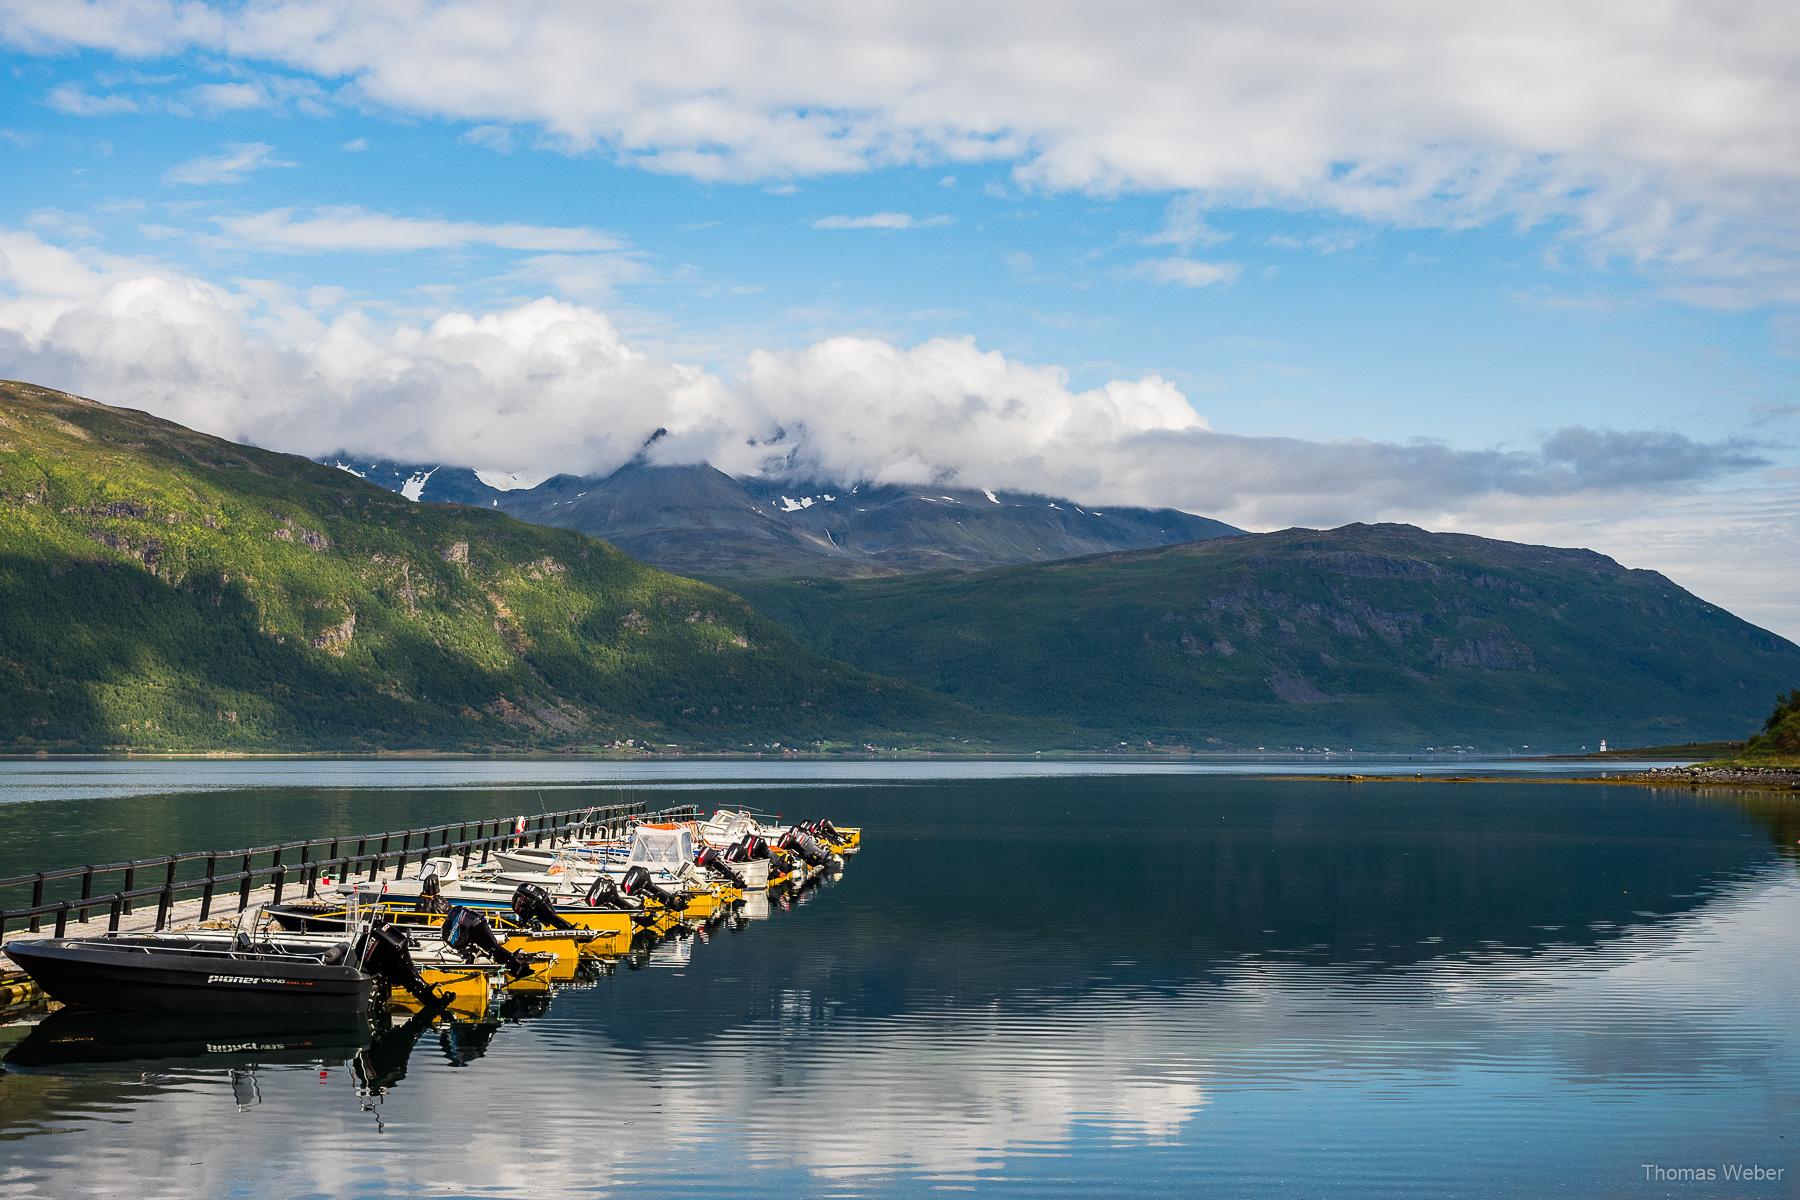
[1691, 778]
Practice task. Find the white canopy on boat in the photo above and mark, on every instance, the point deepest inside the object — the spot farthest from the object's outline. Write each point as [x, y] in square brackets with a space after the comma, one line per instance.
[661, 849]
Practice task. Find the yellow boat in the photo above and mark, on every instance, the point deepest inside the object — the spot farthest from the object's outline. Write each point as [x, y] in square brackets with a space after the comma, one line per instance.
[562, 946]
[468, 989]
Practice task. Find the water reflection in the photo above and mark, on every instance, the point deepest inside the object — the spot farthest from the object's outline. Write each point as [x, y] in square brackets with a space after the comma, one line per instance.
[1154, 986]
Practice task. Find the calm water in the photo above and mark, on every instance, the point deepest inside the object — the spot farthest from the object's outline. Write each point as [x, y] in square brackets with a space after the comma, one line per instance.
[1031, 982]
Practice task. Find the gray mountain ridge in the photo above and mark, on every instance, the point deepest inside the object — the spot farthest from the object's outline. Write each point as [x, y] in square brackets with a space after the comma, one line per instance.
[697, 520]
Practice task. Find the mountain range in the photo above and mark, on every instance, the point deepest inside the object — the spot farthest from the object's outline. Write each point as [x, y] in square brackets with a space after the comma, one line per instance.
[699, 521]
[163, 589]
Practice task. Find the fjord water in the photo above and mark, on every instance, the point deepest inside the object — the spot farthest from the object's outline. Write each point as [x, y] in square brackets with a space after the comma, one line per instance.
[1030, 982]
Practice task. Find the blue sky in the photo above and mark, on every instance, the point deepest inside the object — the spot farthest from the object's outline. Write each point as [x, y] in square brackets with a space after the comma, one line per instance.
[1529, 274]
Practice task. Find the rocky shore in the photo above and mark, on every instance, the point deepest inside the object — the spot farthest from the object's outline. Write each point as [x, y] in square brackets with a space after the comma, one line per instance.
[1701, 775]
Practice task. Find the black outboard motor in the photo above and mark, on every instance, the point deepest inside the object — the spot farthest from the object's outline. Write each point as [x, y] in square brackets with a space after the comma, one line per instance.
[387, 957]
[467, 931]
[533, 906]
[798, 841]
[753, 847]
[825, 831]
[604, 893]
[712, 861]
[637, 883]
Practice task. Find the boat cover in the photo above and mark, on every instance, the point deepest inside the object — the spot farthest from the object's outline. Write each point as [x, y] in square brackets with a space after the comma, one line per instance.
[667, 849]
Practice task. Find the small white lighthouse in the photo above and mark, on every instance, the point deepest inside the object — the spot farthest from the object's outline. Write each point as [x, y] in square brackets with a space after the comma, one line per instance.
[1603, 745]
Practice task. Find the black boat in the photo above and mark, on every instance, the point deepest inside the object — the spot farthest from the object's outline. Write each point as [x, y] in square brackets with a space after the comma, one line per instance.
[169, 973]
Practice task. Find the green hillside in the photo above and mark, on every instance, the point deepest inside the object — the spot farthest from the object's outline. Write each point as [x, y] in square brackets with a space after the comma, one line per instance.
[1778, 743]
[1379, 636]
[164, 589]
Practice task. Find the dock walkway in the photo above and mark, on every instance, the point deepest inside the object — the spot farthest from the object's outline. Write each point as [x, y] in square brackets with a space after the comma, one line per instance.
[213, 887]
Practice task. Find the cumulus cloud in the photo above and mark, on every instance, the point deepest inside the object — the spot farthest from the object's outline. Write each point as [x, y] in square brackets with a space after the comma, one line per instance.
[880, 220]
[1668, 135]
[233, 166]
[541, 382]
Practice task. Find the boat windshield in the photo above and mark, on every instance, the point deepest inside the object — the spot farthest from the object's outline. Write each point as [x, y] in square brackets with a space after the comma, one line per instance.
[724, 827]
[661, 849]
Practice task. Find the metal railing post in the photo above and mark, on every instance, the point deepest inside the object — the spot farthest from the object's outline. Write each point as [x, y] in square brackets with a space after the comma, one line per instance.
[206, 893]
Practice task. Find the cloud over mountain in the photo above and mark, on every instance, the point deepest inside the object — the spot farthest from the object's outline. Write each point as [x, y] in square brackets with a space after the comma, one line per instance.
[553, 386]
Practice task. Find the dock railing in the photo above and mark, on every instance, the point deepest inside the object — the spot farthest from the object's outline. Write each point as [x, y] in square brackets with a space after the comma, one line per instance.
[224, 880]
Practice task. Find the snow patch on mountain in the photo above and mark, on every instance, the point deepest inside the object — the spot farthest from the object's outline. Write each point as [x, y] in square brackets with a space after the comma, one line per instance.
[510, 481]
[414, 487]
[788, 504]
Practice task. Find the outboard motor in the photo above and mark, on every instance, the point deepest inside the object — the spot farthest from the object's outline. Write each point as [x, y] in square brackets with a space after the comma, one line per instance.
[604, 893]
[467, 931]
[533, 906]
[825, 831]
[637, 883]
[712, 861]
[751, 848]
[387, 957]
[798, 841]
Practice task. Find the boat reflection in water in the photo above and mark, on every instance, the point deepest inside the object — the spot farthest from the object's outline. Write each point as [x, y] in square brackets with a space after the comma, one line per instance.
[73, 1039]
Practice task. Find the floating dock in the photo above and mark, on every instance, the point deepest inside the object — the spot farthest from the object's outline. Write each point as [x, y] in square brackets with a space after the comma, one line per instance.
[178, 891]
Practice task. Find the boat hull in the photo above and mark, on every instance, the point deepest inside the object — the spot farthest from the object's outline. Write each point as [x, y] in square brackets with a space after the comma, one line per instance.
[122, 976]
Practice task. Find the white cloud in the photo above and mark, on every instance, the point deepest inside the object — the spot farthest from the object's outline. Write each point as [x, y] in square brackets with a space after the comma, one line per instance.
[233, 166]
[1184, 226]
[587, 277]
[230, 97]
[1187, 272]
[498, 138]
[1668, 135]
[355, 145]
[881, 220]
[77, 101]
[289, 231]
[544, 381]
